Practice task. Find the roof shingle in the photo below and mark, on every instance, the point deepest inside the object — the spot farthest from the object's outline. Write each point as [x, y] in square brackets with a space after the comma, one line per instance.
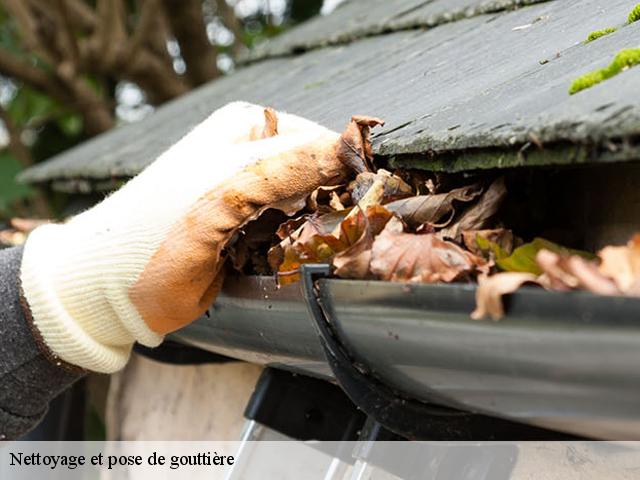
[471, 87]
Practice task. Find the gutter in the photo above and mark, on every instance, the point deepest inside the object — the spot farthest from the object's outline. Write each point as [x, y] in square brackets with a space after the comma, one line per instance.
[563, 361]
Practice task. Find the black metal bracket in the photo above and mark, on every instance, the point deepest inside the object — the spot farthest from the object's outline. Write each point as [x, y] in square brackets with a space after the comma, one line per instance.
[410, 418]
[175, 353]
[303, 407]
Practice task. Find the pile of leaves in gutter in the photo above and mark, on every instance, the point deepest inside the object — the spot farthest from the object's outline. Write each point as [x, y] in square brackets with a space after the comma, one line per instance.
[413, 228]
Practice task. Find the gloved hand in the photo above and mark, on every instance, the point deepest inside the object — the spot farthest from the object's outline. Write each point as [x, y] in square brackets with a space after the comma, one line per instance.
[147, 260]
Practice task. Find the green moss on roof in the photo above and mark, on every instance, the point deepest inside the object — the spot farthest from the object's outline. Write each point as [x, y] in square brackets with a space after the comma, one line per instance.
[624, 60]
[600, 33]
[634, 16]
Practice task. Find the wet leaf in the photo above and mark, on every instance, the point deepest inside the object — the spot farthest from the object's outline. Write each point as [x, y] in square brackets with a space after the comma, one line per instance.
[491, 290]
[523, 259]
[407, 257]
[433, 209]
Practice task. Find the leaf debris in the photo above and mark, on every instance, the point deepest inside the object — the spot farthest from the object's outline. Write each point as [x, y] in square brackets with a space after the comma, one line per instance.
[405, 227]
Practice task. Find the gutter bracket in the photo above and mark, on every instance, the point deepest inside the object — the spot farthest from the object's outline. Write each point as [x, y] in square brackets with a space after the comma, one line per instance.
[410, 418]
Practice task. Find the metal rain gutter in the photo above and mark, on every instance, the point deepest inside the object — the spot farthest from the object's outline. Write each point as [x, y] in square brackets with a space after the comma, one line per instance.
[565, 361]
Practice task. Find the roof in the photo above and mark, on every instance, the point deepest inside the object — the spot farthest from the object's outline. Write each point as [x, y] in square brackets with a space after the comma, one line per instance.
[462, 84]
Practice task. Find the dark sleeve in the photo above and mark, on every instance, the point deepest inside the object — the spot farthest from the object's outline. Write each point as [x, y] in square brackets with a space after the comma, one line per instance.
[30, 377]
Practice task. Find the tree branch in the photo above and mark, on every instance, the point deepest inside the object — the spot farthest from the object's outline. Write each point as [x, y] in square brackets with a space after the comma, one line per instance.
[156, 34]
[109, 52]
[29, 28]
[10, 66]
[187, 23]
[132, 58]
[75, 94]
[111, 32]
[65, 36]
[45, 40]
[154, 76]
[231, 21]
[147, 22]
[95, 111]
[81, 16]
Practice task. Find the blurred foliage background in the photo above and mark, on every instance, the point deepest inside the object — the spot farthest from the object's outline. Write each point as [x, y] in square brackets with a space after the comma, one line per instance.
[72, 69]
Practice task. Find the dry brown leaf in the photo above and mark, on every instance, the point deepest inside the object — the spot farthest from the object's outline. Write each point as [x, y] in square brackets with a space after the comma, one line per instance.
[477, 217]
[567, 272]
[354, 261]
[335, 202]
[26, 225]
[617, 274]
[322, 240]
[407, 257]
[253, 238]
[290, 227]
[270, 123]
[555, 277]
[491, 290]
[270, 127]
[309, 248]
[12, 238]
[325, 199]
[432, 209]
[354, 149]
[490, 244]
[394, 187]
[317, 242]
[616, 265]
[371, 220]
[19, 231]
[366, 123]
[589, 276]
[622, 264]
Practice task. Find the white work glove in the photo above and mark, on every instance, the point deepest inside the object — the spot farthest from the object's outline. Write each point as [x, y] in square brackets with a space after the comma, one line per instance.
[147, 260]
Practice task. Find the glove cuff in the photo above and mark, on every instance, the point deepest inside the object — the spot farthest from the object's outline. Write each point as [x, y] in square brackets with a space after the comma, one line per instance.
[78, 297]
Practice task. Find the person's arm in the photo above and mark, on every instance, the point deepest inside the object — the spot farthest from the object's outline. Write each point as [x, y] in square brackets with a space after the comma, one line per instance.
[148, 259]
[30, 376]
